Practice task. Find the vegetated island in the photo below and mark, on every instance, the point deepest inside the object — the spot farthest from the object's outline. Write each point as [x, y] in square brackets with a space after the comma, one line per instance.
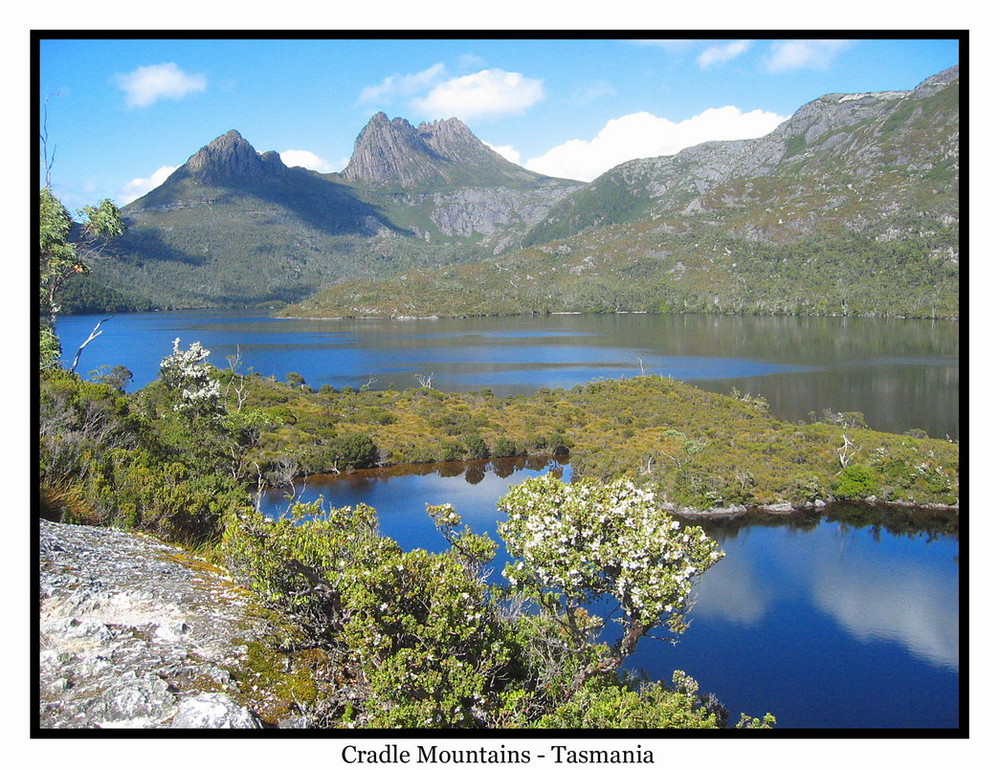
[700, 451]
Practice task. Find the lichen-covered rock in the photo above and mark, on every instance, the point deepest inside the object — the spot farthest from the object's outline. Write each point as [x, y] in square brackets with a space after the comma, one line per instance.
[139, 634]
[213, 710]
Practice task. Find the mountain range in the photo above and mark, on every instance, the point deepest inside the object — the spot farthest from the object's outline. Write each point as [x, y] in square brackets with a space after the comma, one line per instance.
[850, 206]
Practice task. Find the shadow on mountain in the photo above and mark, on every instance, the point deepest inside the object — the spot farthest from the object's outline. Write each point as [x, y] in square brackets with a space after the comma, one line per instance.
[239, 299]
[148, 241]
[322, 204]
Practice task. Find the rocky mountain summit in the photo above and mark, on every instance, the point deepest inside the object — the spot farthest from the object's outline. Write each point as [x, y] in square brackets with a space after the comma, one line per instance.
[445, 152]
[138, 634]
[445, 183]
[231, 156]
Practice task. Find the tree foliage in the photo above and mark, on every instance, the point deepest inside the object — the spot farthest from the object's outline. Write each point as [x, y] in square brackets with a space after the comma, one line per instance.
[61, 256]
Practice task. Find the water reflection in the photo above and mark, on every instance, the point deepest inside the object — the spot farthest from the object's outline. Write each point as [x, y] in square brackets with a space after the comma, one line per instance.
[882, 573]
[901, 603]
[901, 374]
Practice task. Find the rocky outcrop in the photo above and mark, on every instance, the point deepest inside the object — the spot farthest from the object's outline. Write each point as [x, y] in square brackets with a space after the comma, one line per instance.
[230, 157]
[391, 152]
[138, 634]
[445, 152]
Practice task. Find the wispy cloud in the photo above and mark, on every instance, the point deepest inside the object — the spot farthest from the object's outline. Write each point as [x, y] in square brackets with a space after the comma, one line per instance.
[790, 55]
[592, 93]
[644, 135]
[672, 46]
[717, 55]
[490, 93]
[142, 185]
[146, 85]
[470, 62]
[402, 85]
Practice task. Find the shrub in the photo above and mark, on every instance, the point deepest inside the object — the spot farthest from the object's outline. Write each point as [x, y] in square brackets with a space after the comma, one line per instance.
[476, 446]
[856, 482]
[505, 447]
[612, 704]
[355, 450]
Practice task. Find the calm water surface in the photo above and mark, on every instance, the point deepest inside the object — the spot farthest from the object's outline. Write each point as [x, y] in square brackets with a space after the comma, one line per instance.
[900, 374]
[825, 621]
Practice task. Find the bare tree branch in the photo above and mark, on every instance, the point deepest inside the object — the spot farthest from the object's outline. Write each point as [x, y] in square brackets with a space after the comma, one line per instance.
[93, 336]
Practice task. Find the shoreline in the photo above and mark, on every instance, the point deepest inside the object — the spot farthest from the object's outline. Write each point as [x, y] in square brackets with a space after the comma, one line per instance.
[725, 512]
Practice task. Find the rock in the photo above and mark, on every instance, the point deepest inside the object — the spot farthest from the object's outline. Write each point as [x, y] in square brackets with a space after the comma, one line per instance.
[394, 152]
[213, 711]
[138, 634]
[231, 156]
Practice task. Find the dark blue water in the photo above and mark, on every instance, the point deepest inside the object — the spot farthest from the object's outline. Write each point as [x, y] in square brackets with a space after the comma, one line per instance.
[900, 374]
[824, 624]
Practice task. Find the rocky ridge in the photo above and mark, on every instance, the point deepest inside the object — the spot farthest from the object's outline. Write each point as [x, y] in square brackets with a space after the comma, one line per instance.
[445, 152]
[138, 634]
[230, 155]
[831, 138]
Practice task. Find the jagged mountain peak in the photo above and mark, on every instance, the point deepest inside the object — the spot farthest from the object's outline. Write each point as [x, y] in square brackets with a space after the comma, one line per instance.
[230, 156]
[442, 152]
[941, 78]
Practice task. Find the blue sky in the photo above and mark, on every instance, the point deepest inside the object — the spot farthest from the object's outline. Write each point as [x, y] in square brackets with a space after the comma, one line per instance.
[121, 113]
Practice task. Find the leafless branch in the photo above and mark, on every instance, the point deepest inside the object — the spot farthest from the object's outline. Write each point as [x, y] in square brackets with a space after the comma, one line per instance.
[93, 336]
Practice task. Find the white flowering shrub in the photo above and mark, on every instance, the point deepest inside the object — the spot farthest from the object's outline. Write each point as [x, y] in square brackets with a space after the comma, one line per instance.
[188, 374]
[574, 544]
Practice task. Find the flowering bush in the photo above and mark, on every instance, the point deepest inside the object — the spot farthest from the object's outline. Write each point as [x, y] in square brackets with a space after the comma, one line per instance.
[188, 373]
[424, 640]
[577, 543]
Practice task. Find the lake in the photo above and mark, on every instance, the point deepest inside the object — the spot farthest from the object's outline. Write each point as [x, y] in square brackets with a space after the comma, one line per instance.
[900, 374]
[843, 620]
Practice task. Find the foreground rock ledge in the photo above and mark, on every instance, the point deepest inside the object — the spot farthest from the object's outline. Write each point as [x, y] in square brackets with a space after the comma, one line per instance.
[138, 634]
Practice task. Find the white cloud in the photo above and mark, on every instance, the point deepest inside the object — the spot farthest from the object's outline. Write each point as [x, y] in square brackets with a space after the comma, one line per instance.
[506, 151]
[718, 55]
[401, 85]
[140, 186]
[491, 93]
[146, 85]
[789, 55]
[643, 135]
[309, 160]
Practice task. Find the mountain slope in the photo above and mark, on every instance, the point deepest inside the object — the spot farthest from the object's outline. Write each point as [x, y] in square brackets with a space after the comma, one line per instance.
[851, 206]
[438, 181]
[843, 137]
[236, 227]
